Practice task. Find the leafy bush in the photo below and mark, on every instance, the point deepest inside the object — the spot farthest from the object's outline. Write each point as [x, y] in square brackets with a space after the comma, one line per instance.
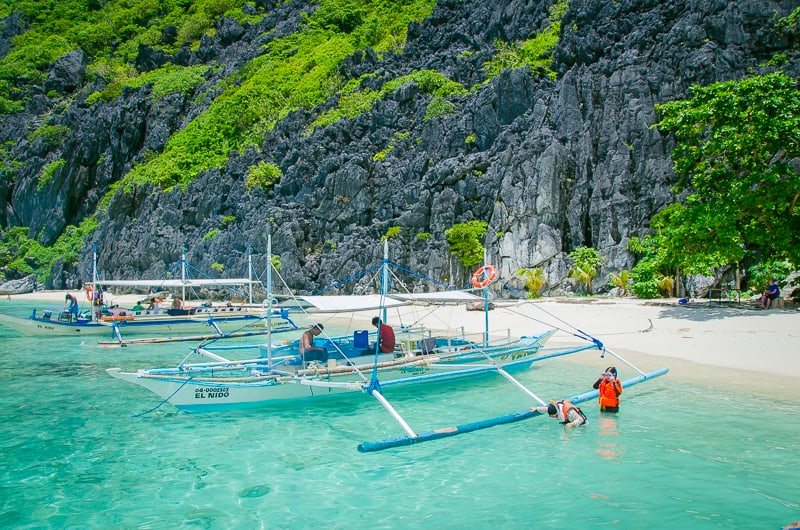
[534, 52]
[353, 104]
[211, 234]
[27, 256]
[381, 155]
[586, 265]
[438, 107]
[49, 171]
[171, 79]
[466, 241]
[343, 16]
[264, 176]
[52, 135]
[534, 281]
[392, 231]
[761, 273]
[621, 280]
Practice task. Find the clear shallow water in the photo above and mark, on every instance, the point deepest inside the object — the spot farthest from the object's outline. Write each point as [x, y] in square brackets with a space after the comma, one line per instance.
[74, 455]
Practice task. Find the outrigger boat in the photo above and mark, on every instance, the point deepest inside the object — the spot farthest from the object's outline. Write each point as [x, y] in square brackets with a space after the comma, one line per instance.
[210, 319]
[276, 373]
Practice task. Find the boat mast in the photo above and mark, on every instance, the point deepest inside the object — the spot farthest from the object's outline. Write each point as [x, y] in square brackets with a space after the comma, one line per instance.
[384, 277]
[94, 267]
[269, 300]
[183, 272]
[249, 274]
[486, 303]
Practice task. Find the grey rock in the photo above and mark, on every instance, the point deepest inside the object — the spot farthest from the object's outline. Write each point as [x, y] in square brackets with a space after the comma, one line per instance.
[24, 285]
[67, 73]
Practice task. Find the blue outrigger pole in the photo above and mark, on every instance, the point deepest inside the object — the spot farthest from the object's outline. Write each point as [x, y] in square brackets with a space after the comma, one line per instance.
[368, 447]
[374, 386]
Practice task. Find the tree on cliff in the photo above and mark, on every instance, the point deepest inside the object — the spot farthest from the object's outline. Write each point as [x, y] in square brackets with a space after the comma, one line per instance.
[738, 157]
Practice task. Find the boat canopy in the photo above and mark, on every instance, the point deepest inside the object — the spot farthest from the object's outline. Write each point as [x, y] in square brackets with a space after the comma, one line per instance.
[366, 302]
[439, 297]
[177, 282]
[343, 303]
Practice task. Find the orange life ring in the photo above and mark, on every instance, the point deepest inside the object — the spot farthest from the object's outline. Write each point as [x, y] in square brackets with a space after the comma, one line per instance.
[89, 293]
[488, 272]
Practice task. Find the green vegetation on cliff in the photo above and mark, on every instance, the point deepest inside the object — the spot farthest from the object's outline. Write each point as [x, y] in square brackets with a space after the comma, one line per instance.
[296, 72]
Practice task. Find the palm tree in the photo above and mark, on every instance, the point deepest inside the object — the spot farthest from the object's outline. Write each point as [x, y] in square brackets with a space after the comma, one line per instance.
[534, 281]
[621, 279]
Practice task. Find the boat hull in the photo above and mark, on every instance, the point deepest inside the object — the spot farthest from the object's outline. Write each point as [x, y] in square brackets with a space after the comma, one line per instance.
[156, 324]
[200, 393]
[53, 327]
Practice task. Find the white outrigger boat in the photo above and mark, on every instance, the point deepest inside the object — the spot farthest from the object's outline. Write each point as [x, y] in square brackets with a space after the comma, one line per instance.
[208, 319]
[276, 374]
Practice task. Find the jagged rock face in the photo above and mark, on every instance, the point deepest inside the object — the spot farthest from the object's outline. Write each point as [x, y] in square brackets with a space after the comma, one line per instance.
[24, 285]
[550, 165]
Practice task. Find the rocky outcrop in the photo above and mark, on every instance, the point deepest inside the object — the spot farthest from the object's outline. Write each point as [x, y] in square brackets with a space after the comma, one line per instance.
[24, 285]
[550, 164]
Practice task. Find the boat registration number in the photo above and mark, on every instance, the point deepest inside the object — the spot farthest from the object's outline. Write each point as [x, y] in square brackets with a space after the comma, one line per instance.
[211, 393]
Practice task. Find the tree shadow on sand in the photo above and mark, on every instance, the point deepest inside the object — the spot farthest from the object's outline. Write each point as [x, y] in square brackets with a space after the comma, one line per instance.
[705, 311]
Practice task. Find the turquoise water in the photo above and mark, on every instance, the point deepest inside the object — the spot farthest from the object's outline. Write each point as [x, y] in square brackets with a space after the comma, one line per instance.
[75, 454]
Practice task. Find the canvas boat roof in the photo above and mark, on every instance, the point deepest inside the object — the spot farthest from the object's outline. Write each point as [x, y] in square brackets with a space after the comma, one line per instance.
[176, 282]
[349, 303]
[343, 303]
[438, 297]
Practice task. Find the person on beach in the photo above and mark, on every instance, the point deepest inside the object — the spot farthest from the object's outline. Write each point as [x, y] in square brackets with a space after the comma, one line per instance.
[610, 389]
[308, 351]
[386, 339]
[565, 412]
[770, 294]
[72, 307]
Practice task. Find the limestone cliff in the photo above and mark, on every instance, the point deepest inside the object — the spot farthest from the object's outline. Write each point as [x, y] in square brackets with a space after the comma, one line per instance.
[550, 164]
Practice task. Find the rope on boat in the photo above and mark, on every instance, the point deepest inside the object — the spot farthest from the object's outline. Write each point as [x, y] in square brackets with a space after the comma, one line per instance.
[578, 333]
[165, 400]
[350, 279]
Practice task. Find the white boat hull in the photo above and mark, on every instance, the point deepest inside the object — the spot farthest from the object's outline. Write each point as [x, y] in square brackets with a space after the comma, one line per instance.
[151, 324]
[196, 393]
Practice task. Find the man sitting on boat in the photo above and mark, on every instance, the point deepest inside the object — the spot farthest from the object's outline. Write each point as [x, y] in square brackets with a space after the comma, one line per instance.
[308, 351]
[154, 305]
[386, 340]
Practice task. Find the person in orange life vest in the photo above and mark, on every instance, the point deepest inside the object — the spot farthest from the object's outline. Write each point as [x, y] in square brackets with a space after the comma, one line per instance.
[610, 388]
[386, 340]
[565, 412]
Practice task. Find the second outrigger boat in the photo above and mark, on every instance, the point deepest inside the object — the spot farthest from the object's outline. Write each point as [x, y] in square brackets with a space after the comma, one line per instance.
[99, 319]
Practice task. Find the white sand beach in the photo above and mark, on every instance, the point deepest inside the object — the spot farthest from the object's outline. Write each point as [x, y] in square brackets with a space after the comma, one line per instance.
[757, 351]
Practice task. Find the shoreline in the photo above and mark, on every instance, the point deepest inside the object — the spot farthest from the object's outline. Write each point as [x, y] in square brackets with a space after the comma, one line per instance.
[717, 346]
